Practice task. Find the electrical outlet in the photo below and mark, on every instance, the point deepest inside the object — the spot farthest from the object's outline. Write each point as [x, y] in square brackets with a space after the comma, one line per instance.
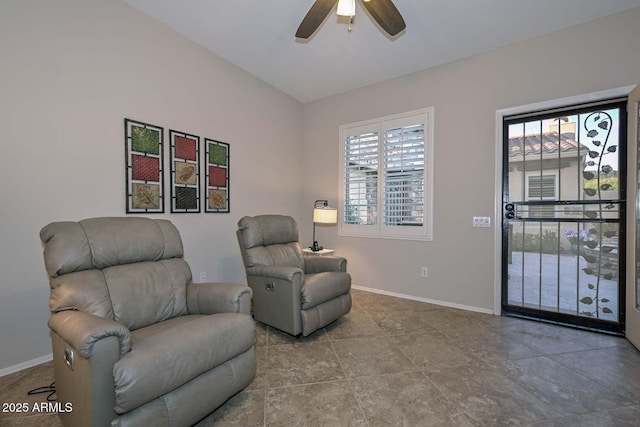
[203, 277]
[482, 221]
[424, 272]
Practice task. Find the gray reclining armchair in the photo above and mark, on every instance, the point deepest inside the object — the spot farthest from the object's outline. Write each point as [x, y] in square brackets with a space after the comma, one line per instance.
[291, 292]
[135, 341]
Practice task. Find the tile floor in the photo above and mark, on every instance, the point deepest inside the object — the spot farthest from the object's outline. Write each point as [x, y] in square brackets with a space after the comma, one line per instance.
[395, 362]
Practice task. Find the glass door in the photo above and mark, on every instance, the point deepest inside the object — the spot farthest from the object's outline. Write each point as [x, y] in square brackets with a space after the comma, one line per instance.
[564, 215]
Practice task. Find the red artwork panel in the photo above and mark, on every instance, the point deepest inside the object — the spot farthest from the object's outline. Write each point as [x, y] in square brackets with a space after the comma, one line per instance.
[145, 168]
[217, 177]
[186, 148]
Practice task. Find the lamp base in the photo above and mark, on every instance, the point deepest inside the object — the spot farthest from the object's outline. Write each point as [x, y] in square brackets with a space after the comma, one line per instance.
[315, 247]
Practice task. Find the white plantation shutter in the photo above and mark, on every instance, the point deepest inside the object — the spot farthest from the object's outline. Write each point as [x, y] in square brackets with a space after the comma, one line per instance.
[361, 178]
[386, 177]
[404, 175]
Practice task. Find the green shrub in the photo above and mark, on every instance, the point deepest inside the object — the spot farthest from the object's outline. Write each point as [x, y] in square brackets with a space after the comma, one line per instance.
[528, 242]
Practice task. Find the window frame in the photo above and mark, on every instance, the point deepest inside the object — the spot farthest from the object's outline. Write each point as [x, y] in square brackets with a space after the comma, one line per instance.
[379, 126]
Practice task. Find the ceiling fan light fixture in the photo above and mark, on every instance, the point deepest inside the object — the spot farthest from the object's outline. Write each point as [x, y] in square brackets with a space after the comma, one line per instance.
[383, 12]
[346, 7]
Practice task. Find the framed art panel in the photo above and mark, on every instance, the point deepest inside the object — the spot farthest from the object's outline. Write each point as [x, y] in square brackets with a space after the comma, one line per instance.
[185, 172]
[217, 176]
[144, 171]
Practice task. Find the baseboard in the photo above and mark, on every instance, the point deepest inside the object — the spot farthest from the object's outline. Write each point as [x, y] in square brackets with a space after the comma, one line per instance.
[25, 365]
[430, 301]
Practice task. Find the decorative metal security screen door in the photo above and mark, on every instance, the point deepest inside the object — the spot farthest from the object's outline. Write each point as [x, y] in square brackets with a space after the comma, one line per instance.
[563, 215]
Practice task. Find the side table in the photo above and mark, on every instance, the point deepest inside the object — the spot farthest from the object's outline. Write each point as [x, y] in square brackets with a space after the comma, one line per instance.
[321, 252]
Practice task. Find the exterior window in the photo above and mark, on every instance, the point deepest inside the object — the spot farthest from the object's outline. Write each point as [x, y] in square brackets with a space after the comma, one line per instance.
[542, 187]
[386, 177]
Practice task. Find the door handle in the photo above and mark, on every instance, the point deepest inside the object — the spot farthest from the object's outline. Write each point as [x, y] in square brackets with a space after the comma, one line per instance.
[510, 211]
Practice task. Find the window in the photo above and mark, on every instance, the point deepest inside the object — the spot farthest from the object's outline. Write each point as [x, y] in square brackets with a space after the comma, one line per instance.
[542, 187]
[386, 177]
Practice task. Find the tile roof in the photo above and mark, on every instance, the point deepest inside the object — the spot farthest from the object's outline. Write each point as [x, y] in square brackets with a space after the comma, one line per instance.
[549, 142]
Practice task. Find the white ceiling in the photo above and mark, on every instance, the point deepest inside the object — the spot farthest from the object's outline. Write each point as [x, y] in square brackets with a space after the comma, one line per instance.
[258, 36]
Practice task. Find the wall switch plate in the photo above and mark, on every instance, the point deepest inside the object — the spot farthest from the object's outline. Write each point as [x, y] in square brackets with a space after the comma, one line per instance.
[482, 221]
[424, 272]
[203, 277]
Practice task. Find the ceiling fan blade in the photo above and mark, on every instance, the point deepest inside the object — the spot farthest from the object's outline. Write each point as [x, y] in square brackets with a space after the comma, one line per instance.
[386, 15]
[316, 16]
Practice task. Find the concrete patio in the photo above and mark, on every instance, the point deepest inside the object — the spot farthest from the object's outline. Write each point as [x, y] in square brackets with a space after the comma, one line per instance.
[558, 283]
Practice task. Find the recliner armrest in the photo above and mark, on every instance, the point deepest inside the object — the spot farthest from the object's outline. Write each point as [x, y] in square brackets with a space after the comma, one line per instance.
[283, 272]
[218, 297]
[319, 264]
[83, 330]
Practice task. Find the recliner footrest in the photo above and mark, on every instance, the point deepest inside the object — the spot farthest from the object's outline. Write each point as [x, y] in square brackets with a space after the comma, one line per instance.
[161, 348]
[322, 287]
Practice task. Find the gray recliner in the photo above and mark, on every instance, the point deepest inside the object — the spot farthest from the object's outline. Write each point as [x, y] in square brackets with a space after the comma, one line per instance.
[291, 292]
[135, 341]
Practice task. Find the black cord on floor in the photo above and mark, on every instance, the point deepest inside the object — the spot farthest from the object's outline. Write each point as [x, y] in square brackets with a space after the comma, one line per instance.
[51, 389]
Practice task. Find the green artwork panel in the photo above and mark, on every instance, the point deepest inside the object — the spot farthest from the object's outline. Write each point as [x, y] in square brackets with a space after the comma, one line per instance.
[217, 154]
[145, 140]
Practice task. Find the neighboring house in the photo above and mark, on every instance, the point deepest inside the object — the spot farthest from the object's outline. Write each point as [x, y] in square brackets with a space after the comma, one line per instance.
[550, 166]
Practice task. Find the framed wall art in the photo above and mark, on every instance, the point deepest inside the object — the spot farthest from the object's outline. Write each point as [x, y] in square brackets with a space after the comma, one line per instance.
[144, 171]
[217, 176]
[185, 172]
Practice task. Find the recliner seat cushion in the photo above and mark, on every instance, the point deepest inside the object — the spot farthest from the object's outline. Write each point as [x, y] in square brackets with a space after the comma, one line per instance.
[157, 364]
[321, 287]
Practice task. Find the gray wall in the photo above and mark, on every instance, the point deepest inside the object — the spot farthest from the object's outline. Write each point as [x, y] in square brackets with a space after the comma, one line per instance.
[70, 72]
[590, 57]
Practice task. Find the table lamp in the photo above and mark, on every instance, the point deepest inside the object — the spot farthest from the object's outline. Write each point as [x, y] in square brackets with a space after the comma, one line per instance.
[322, 214]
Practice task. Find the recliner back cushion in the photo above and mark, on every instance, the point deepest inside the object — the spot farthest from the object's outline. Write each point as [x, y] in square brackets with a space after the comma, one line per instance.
[104, 242]
[270, 240]
[127, 269]
[85, 291]
[289, 254]
[148, 292]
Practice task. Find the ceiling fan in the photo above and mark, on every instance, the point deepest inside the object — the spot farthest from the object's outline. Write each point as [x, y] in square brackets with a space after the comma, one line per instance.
[384, 12]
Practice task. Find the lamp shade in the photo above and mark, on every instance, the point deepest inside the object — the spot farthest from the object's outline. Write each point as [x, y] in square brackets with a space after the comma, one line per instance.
[346, 7]
[325, 215]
